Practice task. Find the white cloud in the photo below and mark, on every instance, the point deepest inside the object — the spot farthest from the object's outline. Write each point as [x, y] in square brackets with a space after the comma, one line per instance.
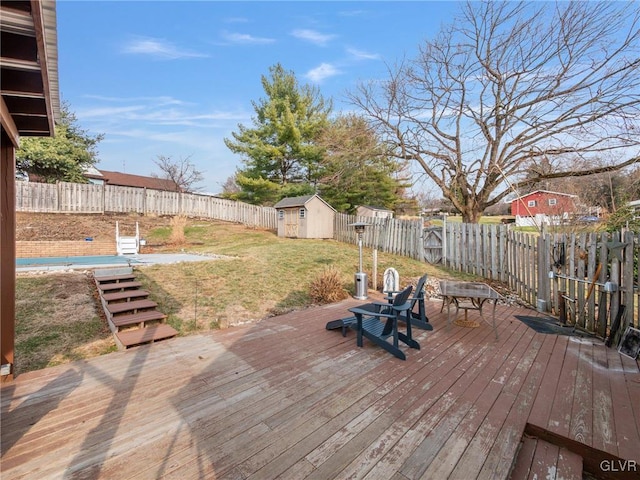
[321, 72]
[352, 13]
[98, 112]
[160, 100]
[245, 38]
[362, 55]
[313, 36]
[158, 48]
[110, 114]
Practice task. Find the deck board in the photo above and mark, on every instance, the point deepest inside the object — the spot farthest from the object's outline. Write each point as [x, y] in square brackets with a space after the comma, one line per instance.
[581, 425]
[285, 398]
[506, 442]
[623, 406]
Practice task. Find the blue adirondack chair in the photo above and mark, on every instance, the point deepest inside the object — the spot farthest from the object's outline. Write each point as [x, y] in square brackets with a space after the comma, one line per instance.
[378, 322]
[418, 318]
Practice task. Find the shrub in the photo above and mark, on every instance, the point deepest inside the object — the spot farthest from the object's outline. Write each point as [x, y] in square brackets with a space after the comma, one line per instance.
[327, 287]
[178, 224]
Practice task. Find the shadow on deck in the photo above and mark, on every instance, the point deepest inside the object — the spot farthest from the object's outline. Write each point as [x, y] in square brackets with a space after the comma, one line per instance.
[285, 398]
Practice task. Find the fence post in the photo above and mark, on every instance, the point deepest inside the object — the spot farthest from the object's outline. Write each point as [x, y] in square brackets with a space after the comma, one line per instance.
[444, 240]
[562, 310]
[543, 276]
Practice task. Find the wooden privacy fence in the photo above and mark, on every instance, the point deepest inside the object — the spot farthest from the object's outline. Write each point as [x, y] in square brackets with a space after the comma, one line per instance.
[596, 275]
[585, 277]
[87, 198]
[391, 235]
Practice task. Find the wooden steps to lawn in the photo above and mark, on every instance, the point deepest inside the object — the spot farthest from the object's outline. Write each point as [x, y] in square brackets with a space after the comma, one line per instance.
[132, 317]
[118, 286]
[141, 319]
[125, 296]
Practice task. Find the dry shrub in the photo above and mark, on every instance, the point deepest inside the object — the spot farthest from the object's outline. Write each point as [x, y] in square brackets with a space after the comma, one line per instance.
[178, 224]
[327, 287]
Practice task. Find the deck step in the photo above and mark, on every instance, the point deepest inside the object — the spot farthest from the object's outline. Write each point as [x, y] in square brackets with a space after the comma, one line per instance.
[131, 338]
[538, 459]
[138, 318]
[132, 317]
[125, 277]
[125, 296]
[115, 286]
[130, 307]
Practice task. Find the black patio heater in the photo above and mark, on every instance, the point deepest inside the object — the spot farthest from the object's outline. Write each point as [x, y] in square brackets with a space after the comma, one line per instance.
[361, 280]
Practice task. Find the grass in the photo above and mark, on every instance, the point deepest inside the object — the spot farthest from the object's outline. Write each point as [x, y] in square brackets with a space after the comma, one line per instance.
[57, 321]
[260, 275]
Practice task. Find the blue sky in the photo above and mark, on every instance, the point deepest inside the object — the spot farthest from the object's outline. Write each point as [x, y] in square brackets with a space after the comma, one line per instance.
[175, 78]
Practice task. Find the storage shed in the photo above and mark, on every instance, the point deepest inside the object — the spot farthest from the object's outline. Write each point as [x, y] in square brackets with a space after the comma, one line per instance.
[305, 217]
[376, 212]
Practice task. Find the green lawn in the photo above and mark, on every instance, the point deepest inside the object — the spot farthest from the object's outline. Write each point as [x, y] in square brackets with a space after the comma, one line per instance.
[261, 275]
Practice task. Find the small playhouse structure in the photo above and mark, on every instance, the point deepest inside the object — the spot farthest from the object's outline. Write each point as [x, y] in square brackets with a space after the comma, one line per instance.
[308, 216]
[376, 212]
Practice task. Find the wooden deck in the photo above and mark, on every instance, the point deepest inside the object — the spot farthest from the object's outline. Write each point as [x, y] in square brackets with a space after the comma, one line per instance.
[285, 398]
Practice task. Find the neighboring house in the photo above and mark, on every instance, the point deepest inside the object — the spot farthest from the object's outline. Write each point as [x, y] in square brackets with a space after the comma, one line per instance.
[543, 207]
[30, 108]
[376, 212]
[305, 217]
[94, 176]
[104, 177]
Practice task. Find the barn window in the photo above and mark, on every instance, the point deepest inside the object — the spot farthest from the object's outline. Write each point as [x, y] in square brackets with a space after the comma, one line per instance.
[531, 203]
[552, 201]
[281, 214]
[303, 213]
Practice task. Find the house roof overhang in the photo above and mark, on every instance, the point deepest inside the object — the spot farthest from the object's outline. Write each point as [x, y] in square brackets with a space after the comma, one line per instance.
[30, 103]
[538, 192]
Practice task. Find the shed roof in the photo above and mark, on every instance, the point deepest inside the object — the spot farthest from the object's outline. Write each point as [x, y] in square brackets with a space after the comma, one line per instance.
[290, 202]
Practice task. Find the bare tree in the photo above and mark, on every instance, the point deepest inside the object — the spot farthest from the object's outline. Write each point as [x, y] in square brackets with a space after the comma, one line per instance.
[182, 172]
[230, 186]
[509, 86]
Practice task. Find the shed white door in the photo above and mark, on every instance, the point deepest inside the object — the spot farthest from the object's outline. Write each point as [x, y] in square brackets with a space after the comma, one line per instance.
[291, 223]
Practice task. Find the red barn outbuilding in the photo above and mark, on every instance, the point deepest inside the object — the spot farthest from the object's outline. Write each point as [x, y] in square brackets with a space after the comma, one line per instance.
[546, 206]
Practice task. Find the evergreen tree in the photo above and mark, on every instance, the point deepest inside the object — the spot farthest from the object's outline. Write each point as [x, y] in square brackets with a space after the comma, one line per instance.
[357, 168]
[63, 157]
[280, 148]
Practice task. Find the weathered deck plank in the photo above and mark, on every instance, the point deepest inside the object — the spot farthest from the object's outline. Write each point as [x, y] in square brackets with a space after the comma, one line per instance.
[503, 451]
[623, 407]
[285, 398]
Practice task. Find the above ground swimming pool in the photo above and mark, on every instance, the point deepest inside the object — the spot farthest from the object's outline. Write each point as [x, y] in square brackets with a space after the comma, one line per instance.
[101, 261]
[88, 260]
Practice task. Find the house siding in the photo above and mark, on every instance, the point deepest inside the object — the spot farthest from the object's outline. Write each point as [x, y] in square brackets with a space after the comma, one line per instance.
[564, 204]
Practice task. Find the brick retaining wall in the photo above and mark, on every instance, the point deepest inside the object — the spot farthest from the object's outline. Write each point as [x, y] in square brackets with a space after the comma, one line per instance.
[67, 248]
